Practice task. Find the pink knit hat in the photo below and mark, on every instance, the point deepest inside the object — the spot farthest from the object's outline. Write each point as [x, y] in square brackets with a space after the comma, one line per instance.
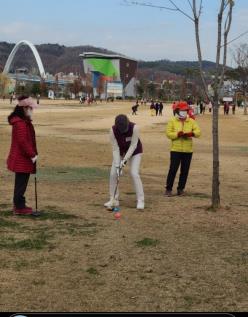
[27, 102]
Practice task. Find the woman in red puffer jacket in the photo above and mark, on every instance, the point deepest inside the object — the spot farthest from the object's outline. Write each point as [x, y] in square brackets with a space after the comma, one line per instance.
[23, 152]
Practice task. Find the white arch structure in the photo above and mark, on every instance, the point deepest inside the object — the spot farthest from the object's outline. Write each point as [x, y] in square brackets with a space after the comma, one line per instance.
[36, 55]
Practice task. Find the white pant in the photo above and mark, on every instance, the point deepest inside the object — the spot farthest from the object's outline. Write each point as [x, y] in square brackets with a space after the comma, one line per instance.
[134, 172]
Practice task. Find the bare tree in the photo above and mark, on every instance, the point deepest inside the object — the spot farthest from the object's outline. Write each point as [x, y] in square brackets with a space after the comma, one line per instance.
[239, 75]
[224, 21]
[4, 82]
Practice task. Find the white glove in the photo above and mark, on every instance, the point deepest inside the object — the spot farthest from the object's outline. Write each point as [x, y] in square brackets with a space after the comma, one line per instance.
[34, 159]
[118, 171]
[123, 163]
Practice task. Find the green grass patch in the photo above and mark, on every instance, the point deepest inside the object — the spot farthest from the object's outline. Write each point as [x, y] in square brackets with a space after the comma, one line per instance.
[74, 229]
[147, 242]
[6, 213]
[38, 242]
[92, 271]
[130, 193]
[39, 282]
[189, 300]
[72, 174]
[8, 224]
[4, 206]
[240, 148]
[243, 148]
[21, 264]
[50, 213]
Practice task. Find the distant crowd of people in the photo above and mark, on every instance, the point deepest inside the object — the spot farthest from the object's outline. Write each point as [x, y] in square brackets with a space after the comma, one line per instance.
[156, 107]
[198, 108]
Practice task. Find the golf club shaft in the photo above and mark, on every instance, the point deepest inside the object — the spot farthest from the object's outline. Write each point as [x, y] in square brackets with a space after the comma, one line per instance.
[117, 183]
[116, 187]
[36, 196]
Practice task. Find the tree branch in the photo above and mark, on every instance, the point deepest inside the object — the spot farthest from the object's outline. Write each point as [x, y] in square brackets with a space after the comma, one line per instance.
[198, 45]
[227, 27]
[200, 9]
[217, 72]
[225, 5]
[190, 4]
[236, 38]
[181, 11]
[147, 4]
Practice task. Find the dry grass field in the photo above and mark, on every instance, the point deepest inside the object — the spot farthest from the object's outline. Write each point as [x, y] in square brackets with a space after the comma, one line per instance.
[177, 255]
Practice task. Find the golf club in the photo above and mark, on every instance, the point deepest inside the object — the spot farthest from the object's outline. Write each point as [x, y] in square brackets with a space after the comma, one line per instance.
[116, 188]
[36, 197]
[36, 213]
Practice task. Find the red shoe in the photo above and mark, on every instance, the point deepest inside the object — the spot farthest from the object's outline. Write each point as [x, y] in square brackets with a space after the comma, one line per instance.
[26, 207]
[23, 211]
[29, 208]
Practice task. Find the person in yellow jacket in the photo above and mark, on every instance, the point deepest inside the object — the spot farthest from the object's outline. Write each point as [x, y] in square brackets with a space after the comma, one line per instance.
[180, 130]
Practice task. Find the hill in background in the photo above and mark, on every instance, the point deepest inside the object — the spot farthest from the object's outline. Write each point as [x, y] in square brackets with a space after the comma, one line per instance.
[59, 58]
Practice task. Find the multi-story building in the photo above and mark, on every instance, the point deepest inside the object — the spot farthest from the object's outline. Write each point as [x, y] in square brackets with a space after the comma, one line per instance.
[112, 75]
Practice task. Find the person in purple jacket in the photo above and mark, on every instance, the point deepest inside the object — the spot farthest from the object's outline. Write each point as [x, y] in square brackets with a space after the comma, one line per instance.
[127, 147]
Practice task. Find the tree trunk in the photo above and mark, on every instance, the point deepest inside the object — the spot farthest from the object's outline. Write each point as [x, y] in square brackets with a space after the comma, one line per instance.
[215, 120]
[215, 127]
[245, 109]
[245, 105]
[216, 164]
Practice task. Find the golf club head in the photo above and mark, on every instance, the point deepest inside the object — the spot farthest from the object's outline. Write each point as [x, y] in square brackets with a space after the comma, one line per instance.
[36, 214]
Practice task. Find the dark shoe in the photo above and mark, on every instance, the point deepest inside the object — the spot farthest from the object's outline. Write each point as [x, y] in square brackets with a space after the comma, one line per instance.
[180, 192]
[168, 193]
[22, 211]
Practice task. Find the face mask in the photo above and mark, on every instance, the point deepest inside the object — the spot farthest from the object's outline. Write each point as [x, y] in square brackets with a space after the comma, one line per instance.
[182, 114]
[29, 113]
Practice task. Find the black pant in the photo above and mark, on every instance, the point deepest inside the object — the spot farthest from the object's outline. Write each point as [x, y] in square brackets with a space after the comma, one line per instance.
[177, 158]
[21, 183]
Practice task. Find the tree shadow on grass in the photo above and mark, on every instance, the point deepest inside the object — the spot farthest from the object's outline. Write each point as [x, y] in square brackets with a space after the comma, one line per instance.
[198, 195]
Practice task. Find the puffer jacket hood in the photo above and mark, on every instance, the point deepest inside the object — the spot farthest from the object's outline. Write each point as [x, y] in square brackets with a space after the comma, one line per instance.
[16, 119]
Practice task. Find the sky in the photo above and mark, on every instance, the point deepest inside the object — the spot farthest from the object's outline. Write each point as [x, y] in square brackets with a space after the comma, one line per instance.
[139, 32]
